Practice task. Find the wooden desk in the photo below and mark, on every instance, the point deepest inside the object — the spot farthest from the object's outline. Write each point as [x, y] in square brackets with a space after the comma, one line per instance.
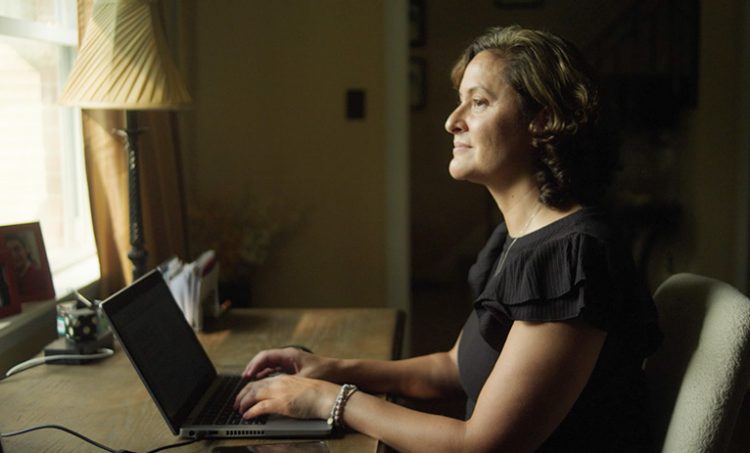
[107, 402]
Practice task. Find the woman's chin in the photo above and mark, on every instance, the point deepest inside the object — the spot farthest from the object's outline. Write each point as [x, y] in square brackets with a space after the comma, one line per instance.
[459, 172]
[456, 171]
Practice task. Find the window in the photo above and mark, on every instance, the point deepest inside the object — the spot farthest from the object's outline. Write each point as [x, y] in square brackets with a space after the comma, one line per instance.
[42, 176]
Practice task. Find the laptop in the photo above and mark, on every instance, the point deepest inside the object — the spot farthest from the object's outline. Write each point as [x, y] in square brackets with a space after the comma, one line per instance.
[193, 398]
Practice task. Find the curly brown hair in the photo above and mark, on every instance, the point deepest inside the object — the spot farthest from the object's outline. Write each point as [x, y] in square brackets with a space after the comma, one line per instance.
[574, 161]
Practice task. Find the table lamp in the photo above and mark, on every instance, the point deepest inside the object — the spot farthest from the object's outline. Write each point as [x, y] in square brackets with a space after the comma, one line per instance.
[124, 63]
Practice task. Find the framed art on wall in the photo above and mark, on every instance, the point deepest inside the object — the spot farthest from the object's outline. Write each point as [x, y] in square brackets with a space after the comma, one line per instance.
[28, 261]
[517, 3]
[10, 302]
[416, 23]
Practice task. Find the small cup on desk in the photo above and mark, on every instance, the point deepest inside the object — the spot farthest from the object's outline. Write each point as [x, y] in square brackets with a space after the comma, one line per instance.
[77, 324]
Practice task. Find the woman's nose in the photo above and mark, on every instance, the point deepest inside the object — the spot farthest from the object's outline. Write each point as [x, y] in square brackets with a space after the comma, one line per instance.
[455, 124]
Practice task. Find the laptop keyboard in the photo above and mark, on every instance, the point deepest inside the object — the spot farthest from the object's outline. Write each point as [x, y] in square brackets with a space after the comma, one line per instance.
[220, 411]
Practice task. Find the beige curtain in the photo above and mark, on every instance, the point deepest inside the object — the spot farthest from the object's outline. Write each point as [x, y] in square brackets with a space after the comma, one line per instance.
[162, 194]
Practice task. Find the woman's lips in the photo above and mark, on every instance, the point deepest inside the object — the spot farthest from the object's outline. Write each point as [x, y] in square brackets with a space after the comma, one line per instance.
[460, 147]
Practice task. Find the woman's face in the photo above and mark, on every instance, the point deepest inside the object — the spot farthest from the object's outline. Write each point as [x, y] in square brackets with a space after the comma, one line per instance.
[491, 139]
[18, 255]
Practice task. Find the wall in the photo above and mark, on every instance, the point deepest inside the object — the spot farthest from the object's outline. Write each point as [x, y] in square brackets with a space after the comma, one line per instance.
[269, 82]
[712, 136]
[743, 169]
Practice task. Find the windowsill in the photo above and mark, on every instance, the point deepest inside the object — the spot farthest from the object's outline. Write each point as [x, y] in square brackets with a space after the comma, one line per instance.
[29, 310]
[23, 335]
[78, 277]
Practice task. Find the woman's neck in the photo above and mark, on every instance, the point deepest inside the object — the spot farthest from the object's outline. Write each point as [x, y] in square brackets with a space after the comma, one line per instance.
[524, 212]
[519, 206]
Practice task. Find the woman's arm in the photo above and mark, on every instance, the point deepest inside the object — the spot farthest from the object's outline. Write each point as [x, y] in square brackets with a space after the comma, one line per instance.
[429, 376]
[540, 373]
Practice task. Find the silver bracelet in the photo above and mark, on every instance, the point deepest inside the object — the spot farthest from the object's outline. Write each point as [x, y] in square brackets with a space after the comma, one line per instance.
[337, 411]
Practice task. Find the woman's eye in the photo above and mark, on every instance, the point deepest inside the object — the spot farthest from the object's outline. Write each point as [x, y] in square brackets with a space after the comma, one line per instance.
[477, 103]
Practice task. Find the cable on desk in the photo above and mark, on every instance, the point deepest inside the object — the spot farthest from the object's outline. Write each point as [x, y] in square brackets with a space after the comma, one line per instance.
[93, 442]
[100, 354]
[178, 444]
[61, 428]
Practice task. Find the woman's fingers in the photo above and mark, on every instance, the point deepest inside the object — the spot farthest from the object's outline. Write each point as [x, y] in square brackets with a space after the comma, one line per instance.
[244, 397]
[259, 408]
[262, 361]
[286, 395]
[269, 361]
[258, 398]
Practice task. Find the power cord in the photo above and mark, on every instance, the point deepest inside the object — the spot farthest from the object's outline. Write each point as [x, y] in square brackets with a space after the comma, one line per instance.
[93, 442]
[83, 353]
[176, 445]
[61, 428]
[99, 354]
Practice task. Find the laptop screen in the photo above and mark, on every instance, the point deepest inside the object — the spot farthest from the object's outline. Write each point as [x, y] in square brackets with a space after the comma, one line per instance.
[161, 346]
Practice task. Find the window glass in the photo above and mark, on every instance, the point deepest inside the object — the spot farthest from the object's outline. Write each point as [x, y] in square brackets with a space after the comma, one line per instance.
[51, 12]
[42, 175]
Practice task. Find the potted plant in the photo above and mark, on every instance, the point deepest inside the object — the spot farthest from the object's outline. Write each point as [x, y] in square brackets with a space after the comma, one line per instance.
[243, 237]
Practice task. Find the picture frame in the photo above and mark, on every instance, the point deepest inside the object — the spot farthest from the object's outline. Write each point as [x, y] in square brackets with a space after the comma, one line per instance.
[24, 245]
[10, 301]
[417, 83]
[416, 23]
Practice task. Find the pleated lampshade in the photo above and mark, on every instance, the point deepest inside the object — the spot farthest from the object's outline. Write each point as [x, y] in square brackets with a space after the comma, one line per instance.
[124, 62]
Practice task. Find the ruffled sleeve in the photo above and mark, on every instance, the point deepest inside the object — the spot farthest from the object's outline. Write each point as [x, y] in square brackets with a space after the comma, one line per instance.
[576, 275]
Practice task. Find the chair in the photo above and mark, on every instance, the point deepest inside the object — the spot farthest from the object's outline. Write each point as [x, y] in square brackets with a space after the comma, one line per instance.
[700, 374]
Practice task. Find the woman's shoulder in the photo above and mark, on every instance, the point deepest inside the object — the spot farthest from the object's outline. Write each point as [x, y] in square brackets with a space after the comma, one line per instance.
[581, 249]
[587, 242]
[575, 267]
[588, 221]
[584, 235]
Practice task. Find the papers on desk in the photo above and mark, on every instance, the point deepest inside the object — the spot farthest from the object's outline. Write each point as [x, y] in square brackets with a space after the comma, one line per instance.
[195, 287]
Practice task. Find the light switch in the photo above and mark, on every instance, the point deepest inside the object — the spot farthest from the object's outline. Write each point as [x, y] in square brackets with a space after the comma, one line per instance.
[355, 104]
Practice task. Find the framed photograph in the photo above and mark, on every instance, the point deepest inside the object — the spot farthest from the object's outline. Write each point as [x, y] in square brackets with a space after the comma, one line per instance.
[10, 302]
[28, 261]
[416, 23]
[518, 3]
[417, 83]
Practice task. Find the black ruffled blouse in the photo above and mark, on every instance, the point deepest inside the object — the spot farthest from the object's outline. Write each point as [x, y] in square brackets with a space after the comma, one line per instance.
[576, 267]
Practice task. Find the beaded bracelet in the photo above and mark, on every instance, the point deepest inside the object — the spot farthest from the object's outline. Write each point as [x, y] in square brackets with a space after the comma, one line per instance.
[337, 411]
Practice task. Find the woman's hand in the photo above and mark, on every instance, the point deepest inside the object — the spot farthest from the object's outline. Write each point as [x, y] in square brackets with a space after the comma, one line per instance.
[290, 395]
[288, 360]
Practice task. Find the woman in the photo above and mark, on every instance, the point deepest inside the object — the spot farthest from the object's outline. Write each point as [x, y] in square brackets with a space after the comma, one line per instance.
[29, 275]
[550, 358]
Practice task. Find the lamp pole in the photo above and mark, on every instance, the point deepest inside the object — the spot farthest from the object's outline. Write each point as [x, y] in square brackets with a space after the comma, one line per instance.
[137, 253]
